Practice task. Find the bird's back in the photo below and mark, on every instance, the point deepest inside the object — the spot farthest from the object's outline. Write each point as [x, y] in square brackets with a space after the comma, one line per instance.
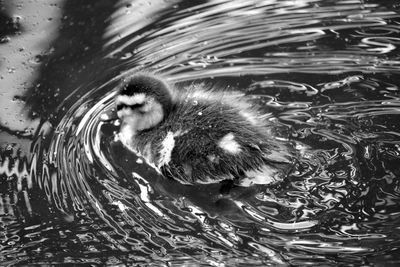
[213, 137]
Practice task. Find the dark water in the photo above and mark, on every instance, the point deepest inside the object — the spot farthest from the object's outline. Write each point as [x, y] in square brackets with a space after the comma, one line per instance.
[326, 71]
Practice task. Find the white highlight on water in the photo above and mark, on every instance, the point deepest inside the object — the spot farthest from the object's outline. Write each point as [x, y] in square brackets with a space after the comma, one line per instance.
[264, 175]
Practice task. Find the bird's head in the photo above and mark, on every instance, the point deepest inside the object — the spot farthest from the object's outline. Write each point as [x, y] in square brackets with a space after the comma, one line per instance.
[143, 101]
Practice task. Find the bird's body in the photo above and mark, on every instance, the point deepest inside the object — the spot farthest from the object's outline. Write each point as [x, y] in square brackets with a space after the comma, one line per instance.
[195, 135]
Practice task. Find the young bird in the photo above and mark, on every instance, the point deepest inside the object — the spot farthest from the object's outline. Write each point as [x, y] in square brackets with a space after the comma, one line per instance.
[198, 135]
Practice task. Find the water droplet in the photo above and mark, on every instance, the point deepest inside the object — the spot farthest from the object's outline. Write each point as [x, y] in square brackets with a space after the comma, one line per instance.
[195, 102]
[18, 98]
[37, 59]
[28, 131]
[11, 70]
[5, 39]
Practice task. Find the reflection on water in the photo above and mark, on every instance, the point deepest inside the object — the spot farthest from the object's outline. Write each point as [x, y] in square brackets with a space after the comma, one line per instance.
[327, 71]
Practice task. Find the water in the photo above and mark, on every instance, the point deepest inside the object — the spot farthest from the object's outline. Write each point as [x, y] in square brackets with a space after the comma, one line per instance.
[326, 71]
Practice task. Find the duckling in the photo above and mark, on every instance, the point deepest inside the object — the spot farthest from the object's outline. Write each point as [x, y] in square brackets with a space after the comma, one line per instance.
[197, 135]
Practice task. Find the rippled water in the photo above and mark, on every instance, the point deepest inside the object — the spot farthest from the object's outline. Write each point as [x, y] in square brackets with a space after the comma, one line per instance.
[326, 71]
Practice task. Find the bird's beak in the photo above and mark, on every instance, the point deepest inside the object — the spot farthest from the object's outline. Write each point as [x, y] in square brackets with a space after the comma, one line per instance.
[109, 116]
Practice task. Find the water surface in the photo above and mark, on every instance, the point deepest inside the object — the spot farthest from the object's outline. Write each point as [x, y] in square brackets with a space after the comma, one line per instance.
[326, 72]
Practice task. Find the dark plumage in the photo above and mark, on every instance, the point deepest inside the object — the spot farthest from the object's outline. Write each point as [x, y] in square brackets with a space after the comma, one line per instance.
[196, 135]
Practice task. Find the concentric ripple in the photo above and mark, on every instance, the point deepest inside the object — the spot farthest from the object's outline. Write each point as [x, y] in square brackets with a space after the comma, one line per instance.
[323, 197]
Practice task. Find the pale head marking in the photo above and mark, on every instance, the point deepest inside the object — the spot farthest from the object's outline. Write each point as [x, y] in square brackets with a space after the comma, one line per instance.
[138, 98]
[228, 144]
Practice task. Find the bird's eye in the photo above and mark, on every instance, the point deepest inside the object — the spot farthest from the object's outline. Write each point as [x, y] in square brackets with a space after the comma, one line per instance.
[121, 106]
[134, 106]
